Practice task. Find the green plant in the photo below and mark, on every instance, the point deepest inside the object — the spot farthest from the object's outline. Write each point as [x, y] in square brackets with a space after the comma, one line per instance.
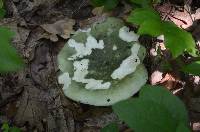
[9, 59]
[112, 127]
[6, 128]
[192, 68]
[176, 40]
[155, 110]
[2, 11]
[108, 4]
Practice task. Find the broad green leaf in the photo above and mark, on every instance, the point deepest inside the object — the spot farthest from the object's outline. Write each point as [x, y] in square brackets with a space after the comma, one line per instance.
[108, 4]
[140, 15]
[2, 13]
[145, 115]
[193, 68]
[143, 3]
[156, 1]
[112, 127]
[151, 27]
[14, 129]
[165, 66]
[182, 128]
[5, 127]
[178, 40]
[1, 3]
[97, 2]
[9, 59]
[166, 99]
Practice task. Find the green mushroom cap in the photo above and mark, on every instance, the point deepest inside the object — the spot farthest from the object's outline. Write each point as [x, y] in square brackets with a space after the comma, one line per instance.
[102, 65]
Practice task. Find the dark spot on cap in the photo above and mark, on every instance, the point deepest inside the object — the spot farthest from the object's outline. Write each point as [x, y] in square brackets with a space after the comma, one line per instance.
[129, 47]
[135, 60]
[107, 63]
[108, 100]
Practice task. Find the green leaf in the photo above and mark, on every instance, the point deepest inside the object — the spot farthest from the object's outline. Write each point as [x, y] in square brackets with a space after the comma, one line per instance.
[2, 13]
[14, 129]
[156, 1]
[108, 4]
[97, 2]
[111, 4]
[5, 127]
[1, 3]
[112, 127]
[143, 3]
[9, 59]
[178, 40]
[145, 115]
[163, 97]
[140, 15]
[151, 27]
[182, 128]
[193, 68]
[165, 66]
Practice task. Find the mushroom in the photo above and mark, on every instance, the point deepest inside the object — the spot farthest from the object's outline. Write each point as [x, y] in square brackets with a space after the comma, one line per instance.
[101, 66]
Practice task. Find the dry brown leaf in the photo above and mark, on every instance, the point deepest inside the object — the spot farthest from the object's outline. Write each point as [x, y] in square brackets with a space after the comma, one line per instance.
[196, 126]
[156, 77]
[171, 81]
[197, 14]
[183, 18]
[87, 22]
[98, 11]
[63, 28]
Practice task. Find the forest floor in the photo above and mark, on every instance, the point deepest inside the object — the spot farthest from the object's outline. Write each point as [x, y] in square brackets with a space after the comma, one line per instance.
[32, 100]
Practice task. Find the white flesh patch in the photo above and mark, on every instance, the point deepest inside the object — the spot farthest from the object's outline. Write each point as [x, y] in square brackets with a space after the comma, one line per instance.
[128, 65]
[126, 35]
[81, 70]
[64, 79]
[114, 47]
[161, 37]
[84, 50]
[85, 30]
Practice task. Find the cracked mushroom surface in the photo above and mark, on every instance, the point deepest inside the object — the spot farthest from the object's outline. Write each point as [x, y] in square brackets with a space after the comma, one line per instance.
[103, 64]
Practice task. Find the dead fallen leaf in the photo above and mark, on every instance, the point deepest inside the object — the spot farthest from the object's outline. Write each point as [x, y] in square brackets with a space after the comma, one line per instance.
[183, 18]
[196, 32]
[171, 81]
[156, 77]
[194, 108]
[196, 15]
[87, 22]
[63, 28]
[196, 126]
[98, 11]
[101, 121]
